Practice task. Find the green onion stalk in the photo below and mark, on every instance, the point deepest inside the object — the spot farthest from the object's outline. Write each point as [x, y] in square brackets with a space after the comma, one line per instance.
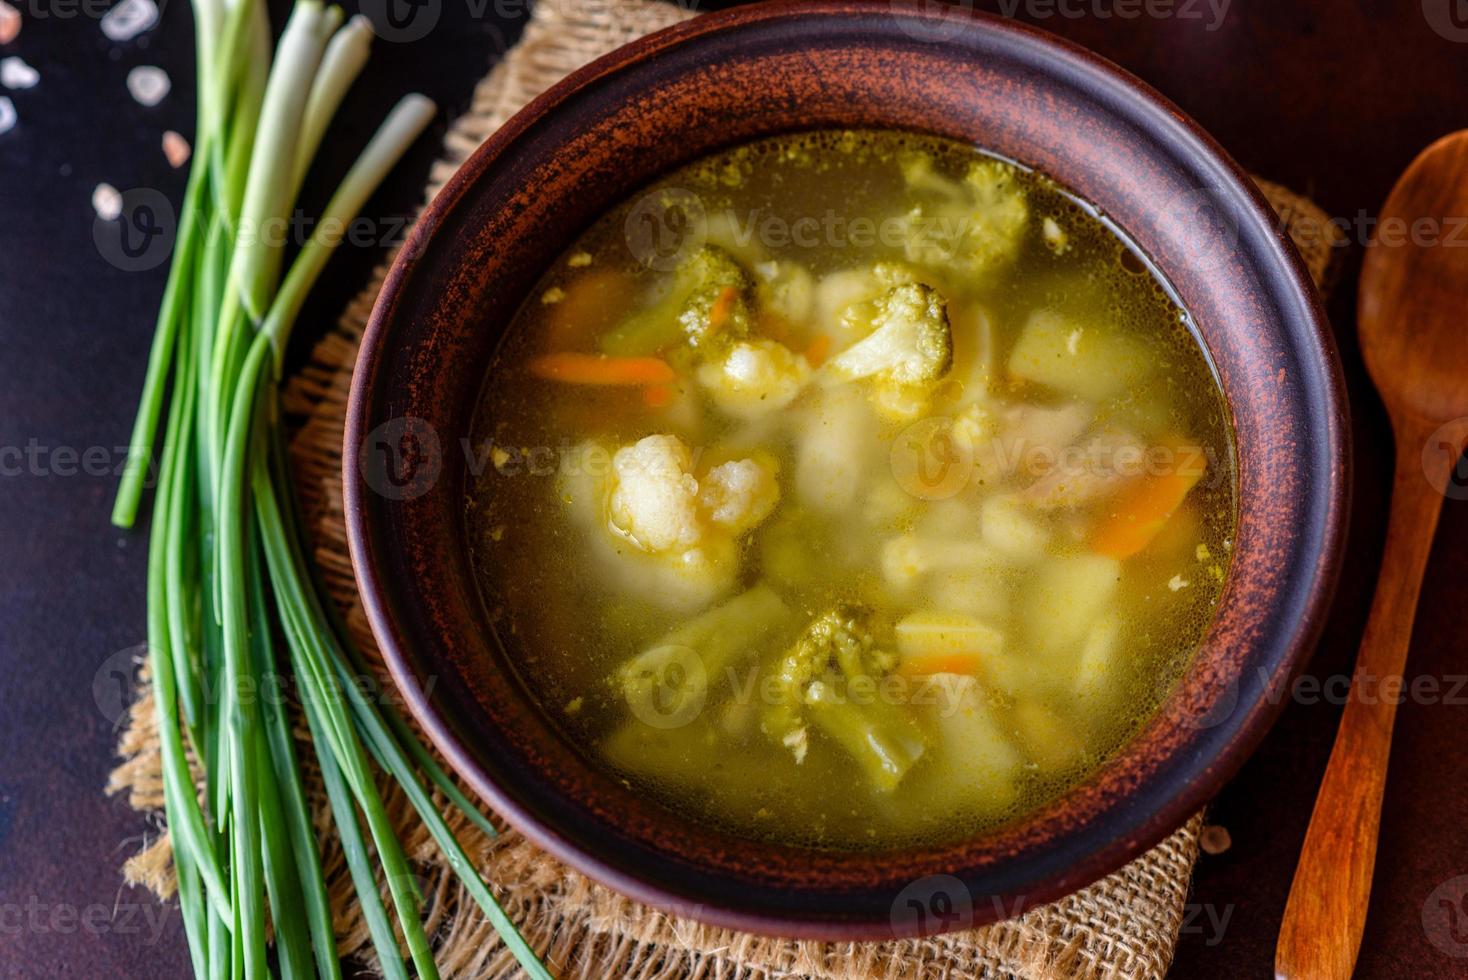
[232, 600]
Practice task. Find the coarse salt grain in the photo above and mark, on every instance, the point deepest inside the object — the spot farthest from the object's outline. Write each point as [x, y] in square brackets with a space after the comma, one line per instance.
[107, 202]
[9, 22]
[148, 84]
[129, 19]
[176, 149]
[15, 73]
[7, 114]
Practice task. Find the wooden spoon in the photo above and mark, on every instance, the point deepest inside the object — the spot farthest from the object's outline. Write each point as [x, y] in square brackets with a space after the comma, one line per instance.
[1413, 322]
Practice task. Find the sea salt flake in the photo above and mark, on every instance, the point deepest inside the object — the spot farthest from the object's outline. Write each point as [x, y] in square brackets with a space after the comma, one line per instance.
[107, 202]
[129, 19]
[148, 84]
[7, 114]
[15, 73]
[9, 22]
[176, 149]
[797, 742]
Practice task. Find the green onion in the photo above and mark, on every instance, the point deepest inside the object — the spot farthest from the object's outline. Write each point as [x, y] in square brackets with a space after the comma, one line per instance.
[231, 596]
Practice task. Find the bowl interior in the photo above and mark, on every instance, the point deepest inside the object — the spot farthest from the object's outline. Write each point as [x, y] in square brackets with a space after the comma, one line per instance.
[591, 143]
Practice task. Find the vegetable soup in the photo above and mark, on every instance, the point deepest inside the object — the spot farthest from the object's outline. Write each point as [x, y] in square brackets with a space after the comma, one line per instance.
[851, 490]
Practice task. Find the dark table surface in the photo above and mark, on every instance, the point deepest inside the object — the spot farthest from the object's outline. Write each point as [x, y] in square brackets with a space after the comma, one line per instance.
[1332, 98]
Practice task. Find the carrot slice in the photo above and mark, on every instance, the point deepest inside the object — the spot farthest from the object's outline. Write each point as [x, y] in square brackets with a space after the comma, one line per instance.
[592, 303]
[721, 308]
[818, 350]
[1144, 510]
[598, 369]
[657, 396]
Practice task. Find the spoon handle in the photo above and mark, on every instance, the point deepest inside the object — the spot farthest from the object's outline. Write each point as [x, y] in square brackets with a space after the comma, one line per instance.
[1326, 912]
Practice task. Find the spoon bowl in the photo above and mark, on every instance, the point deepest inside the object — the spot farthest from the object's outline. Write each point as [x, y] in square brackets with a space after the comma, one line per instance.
[1414, 284]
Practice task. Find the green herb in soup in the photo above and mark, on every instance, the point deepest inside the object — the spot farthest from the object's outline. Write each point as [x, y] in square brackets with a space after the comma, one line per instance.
[851, 490]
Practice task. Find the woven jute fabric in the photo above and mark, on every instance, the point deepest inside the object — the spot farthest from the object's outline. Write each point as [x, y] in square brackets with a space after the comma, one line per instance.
[1123, 926]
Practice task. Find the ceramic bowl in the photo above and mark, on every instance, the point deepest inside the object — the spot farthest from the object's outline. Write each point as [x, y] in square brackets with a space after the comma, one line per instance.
[717, 80]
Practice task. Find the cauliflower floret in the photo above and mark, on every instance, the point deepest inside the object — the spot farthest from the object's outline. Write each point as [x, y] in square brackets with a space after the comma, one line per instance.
[673, 536]
[655, 500]
[839, 291]
[659, 530]
[786, 289]
[754, 377]
[846, 299]
[908, 352]
[739, 495]
[972, 226]
[911, 345]
[657, 503]
[919, 175]
[680, 578]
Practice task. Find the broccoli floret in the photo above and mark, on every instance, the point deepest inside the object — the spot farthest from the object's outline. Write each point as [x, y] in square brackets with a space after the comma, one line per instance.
[813, 685]
[708, 299]
[837, 641]
[718, 303]
[831, 642]
[911, 345]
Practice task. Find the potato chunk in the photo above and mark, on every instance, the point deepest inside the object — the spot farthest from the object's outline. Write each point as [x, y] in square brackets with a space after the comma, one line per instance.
[1070, 593]
[933, 635]
[1070, 357]
[833, 451]
[1010, 531]
[980, 765]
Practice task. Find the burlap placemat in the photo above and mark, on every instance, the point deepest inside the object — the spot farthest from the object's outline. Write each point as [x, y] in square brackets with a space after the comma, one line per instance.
[1123, 926]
